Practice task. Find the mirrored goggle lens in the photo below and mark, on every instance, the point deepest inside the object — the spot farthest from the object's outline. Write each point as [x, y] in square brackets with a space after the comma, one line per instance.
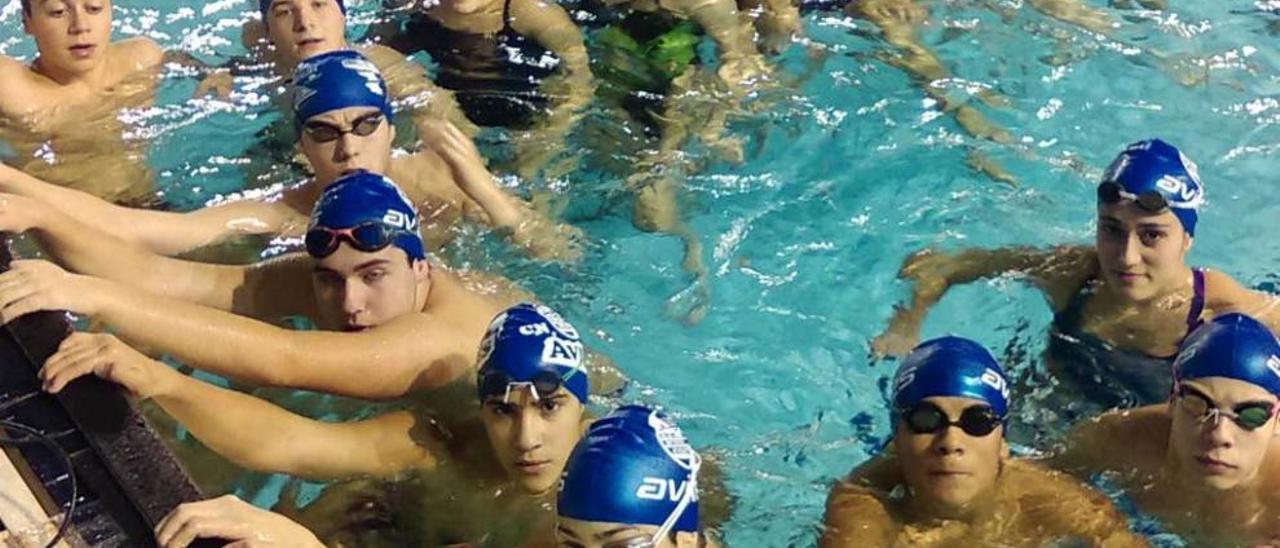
[365, 127]
[1249, 416]
[371, 237]
[322, 133]
[320, 242]
[1149, 201]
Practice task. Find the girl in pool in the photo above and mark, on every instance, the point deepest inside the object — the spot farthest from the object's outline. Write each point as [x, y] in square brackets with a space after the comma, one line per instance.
[519, 64]
[1121, 306]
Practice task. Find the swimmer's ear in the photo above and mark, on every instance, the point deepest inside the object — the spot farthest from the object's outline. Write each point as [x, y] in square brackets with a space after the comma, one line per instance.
[421, 270]
[685, 539]
[1004, 449]
[1187, 240]
[393, 132]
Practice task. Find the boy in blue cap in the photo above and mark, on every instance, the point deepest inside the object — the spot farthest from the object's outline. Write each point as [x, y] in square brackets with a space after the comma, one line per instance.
[532, 386]
[343, 116]
[632, 481]
[1206, 462]
[1122, 305]
[949, 480]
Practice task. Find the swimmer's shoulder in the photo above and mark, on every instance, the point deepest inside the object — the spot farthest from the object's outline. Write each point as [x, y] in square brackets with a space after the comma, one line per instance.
[1125, 440]
[381, 56]
[1063, 270]
[135, 54]
[18, 80]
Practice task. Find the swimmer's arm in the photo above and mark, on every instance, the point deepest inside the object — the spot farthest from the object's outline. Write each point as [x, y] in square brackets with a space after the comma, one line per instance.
[527, 228]
[1058, 272]
[413, 352]
[549, 25]
[856, 516]
[407, 81]
[1091, 446]
[1225, 295]
[721, 21]
[162, 232]
[246, 430]
[1076, 13]
[1062, 507]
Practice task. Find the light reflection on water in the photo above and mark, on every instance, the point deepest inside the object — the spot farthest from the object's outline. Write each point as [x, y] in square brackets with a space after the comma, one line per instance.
[855, 169]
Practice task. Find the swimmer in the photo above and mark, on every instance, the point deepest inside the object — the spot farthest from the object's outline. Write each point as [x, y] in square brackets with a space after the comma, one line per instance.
[489, 474]
[652, 74]
[343, 122]
[365, 279]
[949, 480]
[1206, 462]
[632, 479]
[293, 30]
[518, 64]
[1121, 306]
[60, 113]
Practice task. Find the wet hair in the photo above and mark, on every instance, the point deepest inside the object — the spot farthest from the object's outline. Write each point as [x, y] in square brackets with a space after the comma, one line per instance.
[26, 7]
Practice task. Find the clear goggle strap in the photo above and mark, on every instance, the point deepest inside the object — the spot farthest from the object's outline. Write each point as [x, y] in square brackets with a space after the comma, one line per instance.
[506, 396]
[690, 494]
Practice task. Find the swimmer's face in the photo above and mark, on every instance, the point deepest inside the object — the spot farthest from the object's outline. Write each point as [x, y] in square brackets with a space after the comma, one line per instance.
[532, 439]
[72, 36]
[1140, 254]
[949, 470]
[349, 152]
[357, 290]
[302, 28]
[1218, 454]
[573, 533]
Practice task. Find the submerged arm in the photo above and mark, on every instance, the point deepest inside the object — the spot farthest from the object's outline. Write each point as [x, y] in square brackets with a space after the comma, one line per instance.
[246, 430]
[934, 272]
[408, 81]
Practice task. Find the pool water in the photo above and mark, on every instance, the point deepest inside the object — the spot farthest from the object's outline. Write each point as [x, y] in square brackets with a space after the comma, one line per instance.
[853, 171]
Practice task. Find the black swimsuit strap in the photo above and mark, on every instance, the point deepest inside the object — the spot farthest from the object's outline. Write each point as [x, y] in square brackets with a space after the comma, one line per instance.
[506, 18]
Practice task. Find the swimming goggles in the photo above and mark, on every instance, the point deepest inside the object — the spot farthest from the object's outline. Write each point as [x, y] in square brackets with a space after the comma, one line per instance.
[363, 126]
[1249, 415]
[1151, 201]
[543, 384]
[368, 236]
[927, 418]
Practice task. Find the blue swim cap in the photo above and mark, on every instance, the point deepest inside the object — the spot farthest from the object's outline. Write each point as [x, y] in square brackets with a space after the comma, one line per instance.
[951, 366]
[633, 467]
[1156, 165]
[264, 5]
[361, 197]
[337, 80]
[1234, 346]
[527, 343]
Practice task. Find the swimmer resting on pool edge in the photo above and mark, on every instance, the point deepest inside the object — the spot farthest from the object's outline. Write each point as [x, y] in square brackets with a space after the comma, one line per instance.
[949, 480]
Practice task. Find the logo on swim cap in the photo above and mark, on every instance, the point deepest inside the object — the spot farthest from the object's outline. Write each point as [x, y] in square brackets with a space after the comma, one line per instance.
[672, 441]
[1233, 346]
[950, 367]
[336, 80]
[526, 340]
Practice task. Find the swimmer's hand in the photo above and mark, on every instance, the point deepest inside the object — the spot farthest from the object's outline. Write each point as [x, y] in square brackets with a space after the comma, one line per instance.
[905, 12]
[218, 83]
[106, 356]
[20, 213]
[229, 518]
[35, 285]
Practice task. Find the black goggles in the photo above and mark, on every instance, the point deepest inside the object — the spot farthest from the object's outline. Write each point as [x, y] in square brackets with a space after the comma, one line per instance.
[1151, 201]
[543, 384]
[1250, 415]
[927, 418]
[363, 126]
[368, 236]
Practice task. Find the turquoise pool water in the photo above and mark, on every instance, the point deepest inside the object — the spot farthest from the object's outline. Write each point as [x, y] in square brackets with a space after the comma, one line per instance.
[845, 178]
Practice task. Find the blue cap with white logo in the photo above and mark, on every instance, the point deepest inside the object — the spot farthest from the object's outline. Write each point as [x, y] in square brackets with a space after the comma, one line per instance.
[1156, 166]
[531, 345]
[633, 467]
[361, 198]
[1234, 346]
[951, 366]
[337, 80]
[264, 5]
